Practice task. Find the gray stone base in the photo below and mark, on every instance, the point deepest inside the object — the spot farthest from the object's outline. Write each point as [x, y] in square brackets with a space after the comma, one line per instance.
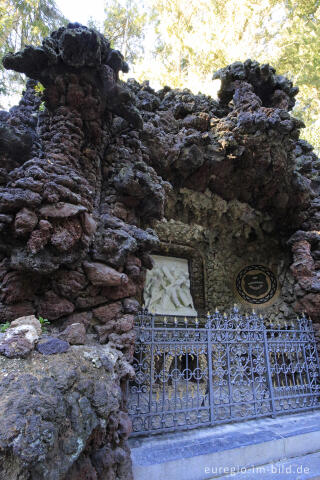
[222, 451]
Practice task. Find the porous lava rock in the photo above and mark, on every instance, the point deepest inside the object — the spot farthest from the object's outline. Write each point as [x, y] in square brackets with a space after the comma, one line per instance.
[75, 334]
[66, 234]
[52, 345]
[62, 414]
[20, 337]
[29, 320]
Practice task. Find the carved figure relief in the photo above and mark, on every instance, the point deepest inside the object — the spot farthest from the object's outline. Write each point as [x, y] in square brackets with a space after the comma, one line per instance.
[167, 289]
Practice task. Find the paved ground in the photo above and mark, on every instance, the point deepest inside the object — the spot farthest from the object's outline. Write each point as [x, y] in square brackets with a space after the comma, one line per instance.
[200, 453]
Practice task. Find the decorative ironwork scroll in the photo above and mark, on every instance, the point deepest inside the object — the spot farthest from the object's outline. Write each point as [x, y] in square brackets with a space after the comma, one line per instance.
[194, 372]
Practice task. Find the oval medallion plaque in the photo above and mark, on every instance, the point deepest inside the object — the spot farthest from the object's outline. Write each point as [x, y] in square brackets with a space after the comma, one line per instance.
[257, 285]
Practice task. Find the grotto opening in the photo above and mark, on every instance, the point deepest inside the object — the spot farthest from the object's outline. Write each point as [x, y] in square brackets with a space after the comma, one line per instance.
[100, 179]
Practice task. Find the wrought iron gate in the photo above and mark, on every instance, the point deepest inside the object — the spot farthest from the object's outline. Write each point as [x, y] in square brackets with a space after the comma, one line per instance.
[195, 372]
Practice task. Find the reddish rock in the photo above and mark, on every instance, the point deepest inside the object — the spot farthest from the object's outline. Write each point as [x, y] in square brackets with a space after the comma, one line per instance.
[133, 266]
[101, 274]
[116, 327]
[106, 313]
[104, 463]
[303, 265]
[25, 222]
[66, 235]
[131, 305]
[311, 284]
[51, 306]
[17, 287]
[11, 312]
[91, 296]
[80, 317]
[125, 425]
[75, 334]
[147, 261]
[115, 293]
[82, 470]
[69, 140]
[310, 304]
[125, 323]
[89, 224]
[69, 282]
[104, 331]
[39, 237]
[61, 210]
[307, 288]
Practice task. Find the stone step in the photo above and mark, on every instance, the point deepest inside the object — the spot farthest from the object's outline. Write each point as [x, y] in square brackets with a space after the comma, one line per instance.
[196, 454]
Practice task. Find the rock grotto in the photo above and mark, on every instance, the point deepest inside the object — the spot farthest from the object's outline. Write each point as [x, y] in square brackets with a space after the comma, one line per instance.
[96, 174]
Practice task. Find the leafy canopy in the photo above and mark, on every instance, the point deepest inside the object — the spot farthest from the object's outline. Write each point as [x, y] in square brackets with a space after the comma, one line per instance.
[24, 22]
[181, 42]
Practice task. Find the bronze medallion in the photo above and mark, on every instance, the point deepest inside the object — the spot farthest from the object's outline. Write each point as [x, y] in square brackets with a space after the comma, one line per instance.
[256, 284]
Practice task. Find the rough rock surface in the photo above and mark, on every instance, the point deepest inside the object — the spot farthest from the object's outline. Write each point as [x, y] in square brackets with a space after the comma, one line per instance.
[63, 412]
[86, 179]
[52, 345]
[20, 338]
[29, 320]
[75, 334]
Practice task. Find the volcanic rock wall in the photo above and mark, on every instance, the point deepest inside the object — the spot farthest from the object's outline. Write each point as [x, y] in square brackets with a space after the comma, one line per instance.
[89, 166]
[71, 247]
[242, 182]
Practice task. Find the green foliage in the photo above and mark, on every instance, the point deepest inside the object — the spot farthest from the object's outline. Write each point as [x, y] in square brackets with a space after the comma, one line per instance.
[124, 26]
[24, 22]
[196, 37]
[44, 324]
[298, 45]
[43, 321]
[39, 89]
[181, 42]
[312, 134]
[4, 327]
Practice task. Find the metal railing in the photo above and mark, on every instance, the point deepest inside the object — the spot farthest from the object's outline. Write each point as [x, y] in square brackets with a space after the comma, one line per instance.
[194, 372]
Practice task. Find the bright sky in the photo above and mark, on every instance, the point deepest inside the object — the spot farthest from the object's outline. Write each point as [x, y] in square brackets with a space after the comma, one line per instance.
[81, 10]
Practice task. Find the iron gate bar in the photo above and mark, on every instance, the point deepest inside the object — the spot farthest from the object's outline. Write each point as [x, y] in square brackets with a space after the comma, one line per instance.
[266, 352]
[210, 372]
[194, 372]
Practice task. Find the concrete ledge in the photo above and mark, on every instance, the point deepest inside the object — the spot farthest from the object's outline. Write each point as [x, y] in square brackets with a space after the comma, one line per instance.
[196, 454]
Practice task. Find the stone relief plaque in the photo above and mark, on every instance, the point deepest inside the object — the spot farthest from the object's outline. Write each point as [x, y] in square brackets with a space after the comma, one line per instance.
[167, 289]
[257, 285]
